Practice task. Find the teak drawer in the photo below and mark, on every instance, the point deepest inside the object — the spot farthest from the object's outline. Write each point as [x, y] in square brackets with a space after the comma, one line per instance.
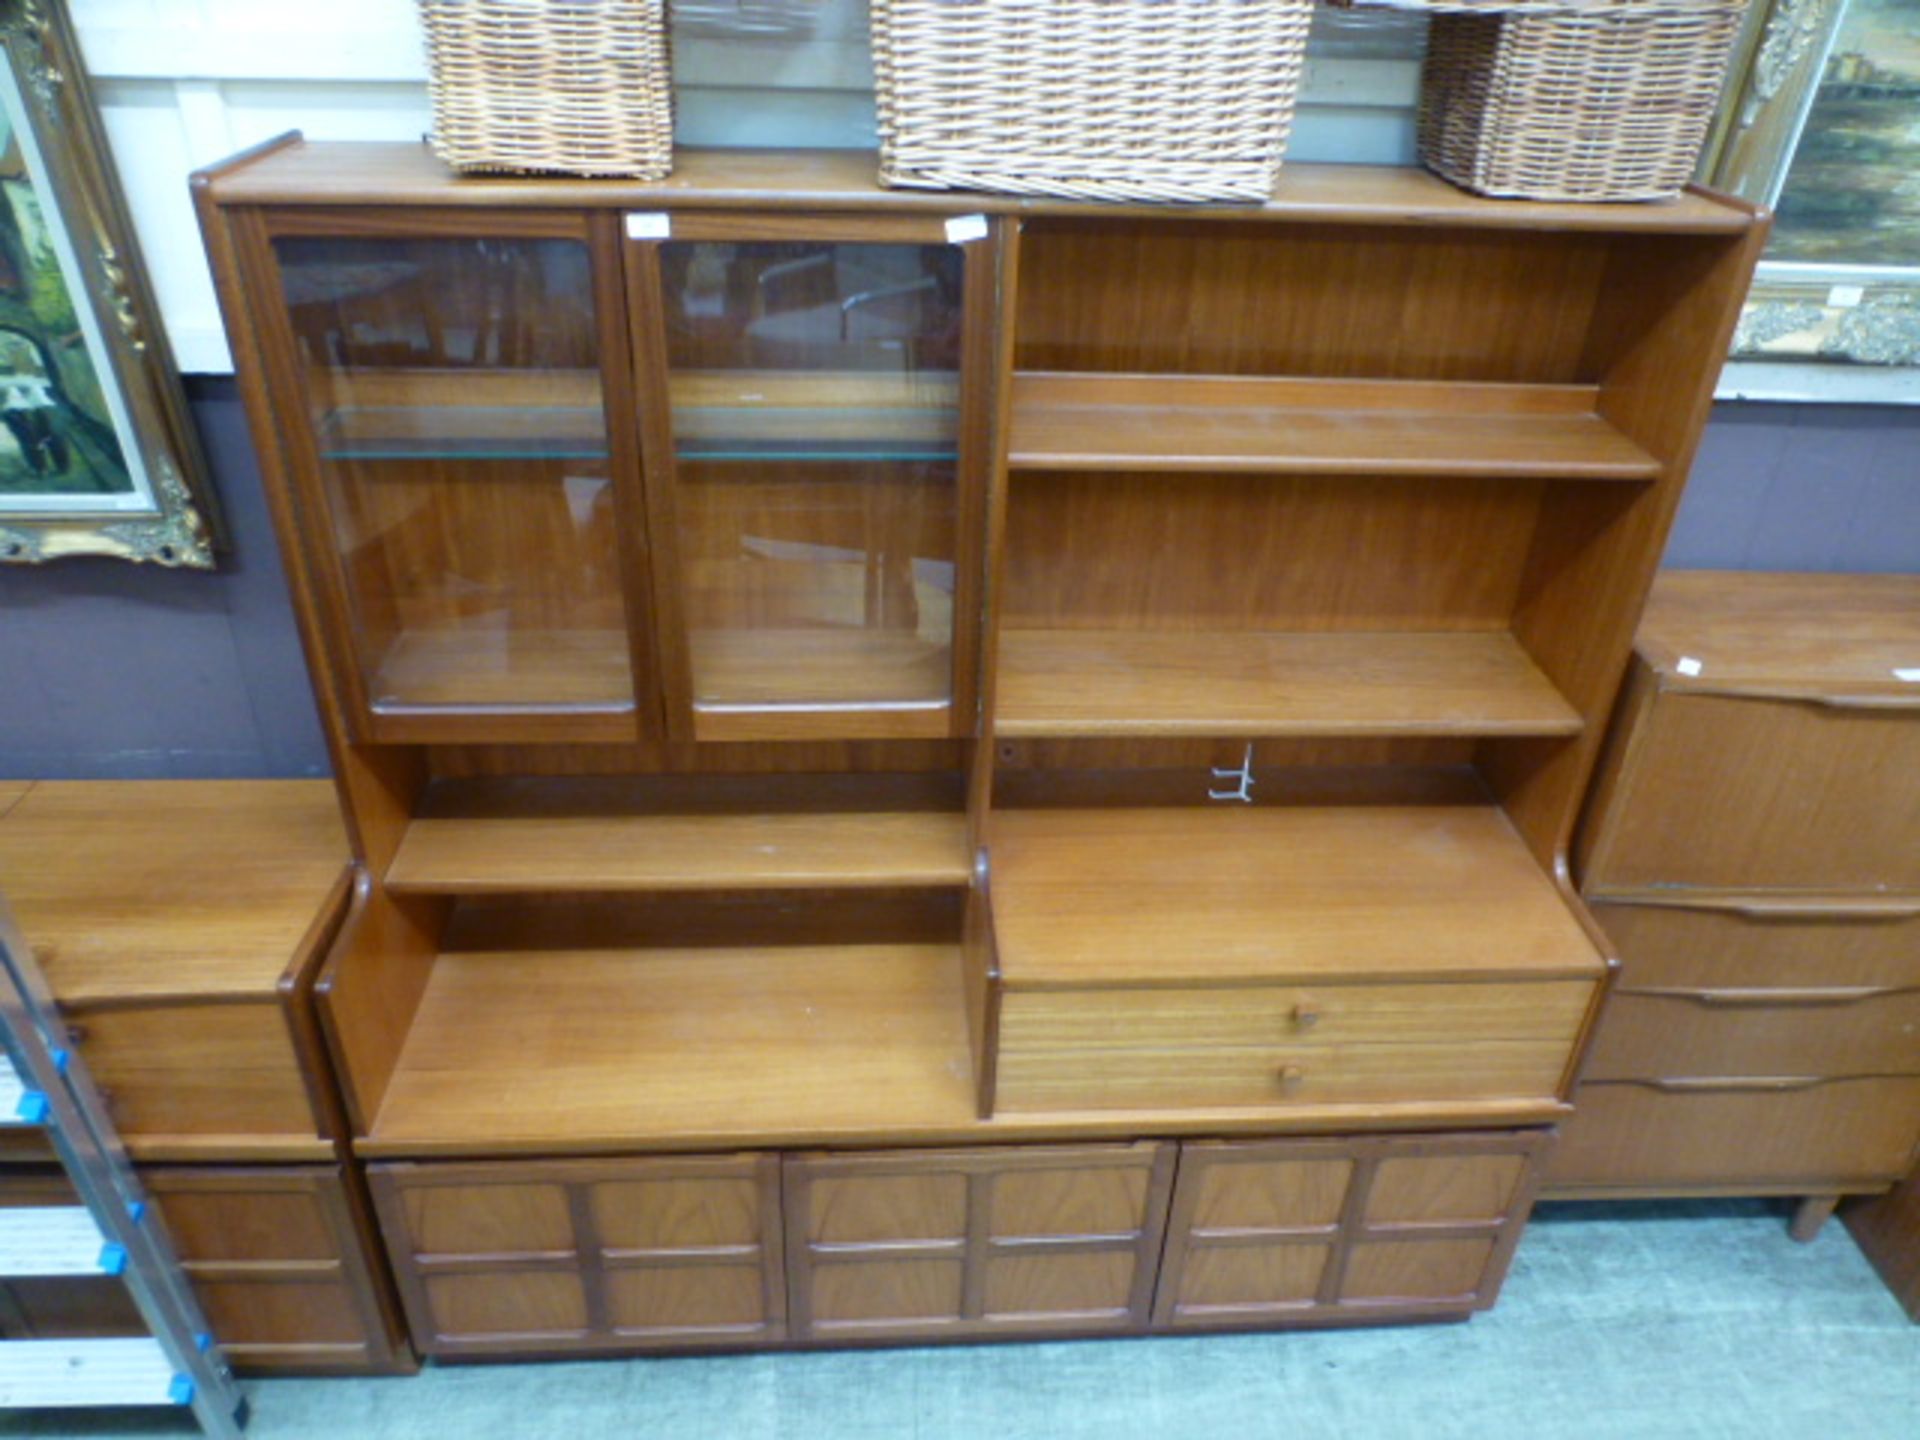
[535, 1257]
[1788, 1132]
[1762, 941]
[975, 1242]
[1752, 791]
[1312, 1231]
[199, 1070]
[1756, 985]
[277, 1258]
[1693, 1032]
[1284, 1045]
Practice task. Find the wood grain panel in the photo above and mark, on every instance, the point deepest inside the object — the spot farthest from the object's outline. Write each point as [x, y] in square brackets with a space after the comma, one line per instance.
[1422, 1190]
[198, 1069]
[1765, 940]
[1739, 1133]
[1818, 1031]
[1416, 1270]
[972, 1242]
[586, 1256]
[724, 1299]
[1336, 1229]
[284, 1260]
[1184, 297]
[1305, 1195]
[1206, 553]
[1732, 792]
[1887, 1228]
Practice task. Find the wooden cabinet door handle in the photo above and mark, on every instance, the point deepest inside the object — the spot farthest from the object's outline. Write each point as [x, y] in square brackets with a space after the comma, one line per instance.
[1786, 909]
[1745, 999]
[1868, 702]
[1752, 1083]
[1290, 1076]
[1306, 1015]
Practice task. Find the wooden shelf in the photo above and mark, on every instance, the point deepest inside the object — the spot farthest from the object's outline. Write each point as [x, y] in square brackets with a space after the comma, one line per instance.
[407, 173]
[1263, 683]
[1326, 427]
[550, 1049]
[1188, 895]
[798, 832]
[718, 415]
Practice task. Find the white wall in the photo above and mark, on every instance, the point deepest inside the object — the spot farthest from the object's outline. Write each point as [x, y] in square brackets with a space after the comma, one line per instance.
[182, 83]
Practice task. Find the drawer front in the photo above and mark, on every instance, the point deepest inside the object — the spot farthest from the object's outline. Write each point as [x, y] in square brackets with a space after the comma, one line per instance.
[946, 1244]
[1734, 1134]
[1283, 1046]
[227, 1069]
[1823, 1031]
[1764, 942]
[1306, 1231]
[1739, 792]
[540, 1257]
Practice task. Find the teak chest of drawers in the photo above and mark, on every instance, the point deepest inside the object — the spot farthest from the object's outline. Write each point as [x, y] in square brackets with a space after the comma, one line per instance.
[936, 765]
[1753, 847]
[181, 925]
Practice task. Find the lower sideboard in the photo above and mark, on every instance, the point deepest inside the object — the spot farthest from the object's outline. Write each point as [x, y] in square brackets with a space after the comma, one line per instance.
[541, 1257]
[283, 1267]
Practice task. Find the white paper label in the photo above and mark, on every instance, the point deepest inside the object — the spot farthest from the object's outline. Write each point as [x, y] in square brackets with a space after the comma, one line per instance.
[1845, 297]
[1688, 666]
[649, 225]
[962, 228]
[1907, 674]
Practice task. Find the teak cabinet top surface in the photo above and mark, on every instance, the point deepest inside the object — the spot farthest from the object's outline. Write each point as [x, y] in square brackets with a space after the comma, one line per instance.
[295, 171]
[169, 888]
[1788, 634]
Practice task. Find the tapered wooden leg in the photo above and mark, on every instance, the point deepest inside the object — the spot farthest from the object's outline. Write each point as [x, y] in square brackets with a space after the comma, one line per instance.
[1811, 1214]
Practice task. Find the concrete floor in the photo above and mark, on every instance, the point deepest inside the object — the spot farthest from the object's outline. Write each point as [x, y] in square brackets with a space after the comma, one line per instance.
[1695, 1320]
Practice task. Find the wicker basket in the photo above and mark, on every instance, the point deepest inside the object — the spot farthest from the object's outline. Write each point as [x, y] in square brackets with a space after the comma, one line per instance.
[578, 87]
[1091, 99]
[1552, 100]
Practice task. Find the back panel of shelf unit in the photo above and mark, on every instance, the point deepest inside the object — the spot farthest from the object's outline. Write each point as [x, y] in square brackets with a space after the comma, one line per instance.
[1385, 303]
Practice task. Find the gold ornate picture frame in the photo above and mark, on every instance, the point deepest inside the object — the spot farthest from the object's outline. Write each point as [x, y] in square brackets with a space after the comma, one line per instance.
[1838, 297]
[98, 455]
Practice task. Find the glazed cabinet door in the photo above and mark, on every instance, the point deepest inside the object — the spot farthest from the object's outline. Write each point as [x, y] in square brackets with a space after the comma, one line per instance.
[958, 1243]
[466, 472]
[535, 1257]
[1311, 1231]
[812, 420]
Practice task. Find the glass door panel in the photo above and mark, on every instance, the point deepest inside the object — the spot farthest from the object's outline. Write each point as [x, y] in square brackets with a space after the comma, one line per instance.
[455, 399]
[815, 415]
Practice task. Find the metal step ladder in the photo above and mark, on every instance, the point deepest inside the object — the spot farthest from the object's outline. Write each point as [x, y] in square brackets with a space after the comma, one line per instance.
[43, 1083]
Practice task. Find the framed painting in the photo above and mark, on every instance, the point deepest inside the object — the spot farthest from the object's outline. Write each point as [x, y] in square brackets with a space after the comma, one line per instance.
[97, 452]
[1822, 121]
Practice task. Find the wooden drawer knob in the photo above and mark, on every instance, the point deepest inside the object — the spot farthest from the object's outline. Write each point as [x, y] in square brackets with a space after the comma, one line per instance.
[1306, 1015]
[1290, 1076]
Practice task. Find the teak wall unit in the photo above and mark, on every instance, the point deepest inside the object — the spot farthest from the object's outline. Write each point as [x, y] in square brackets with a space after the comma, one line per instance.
[940, 697]
[1753, 847]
